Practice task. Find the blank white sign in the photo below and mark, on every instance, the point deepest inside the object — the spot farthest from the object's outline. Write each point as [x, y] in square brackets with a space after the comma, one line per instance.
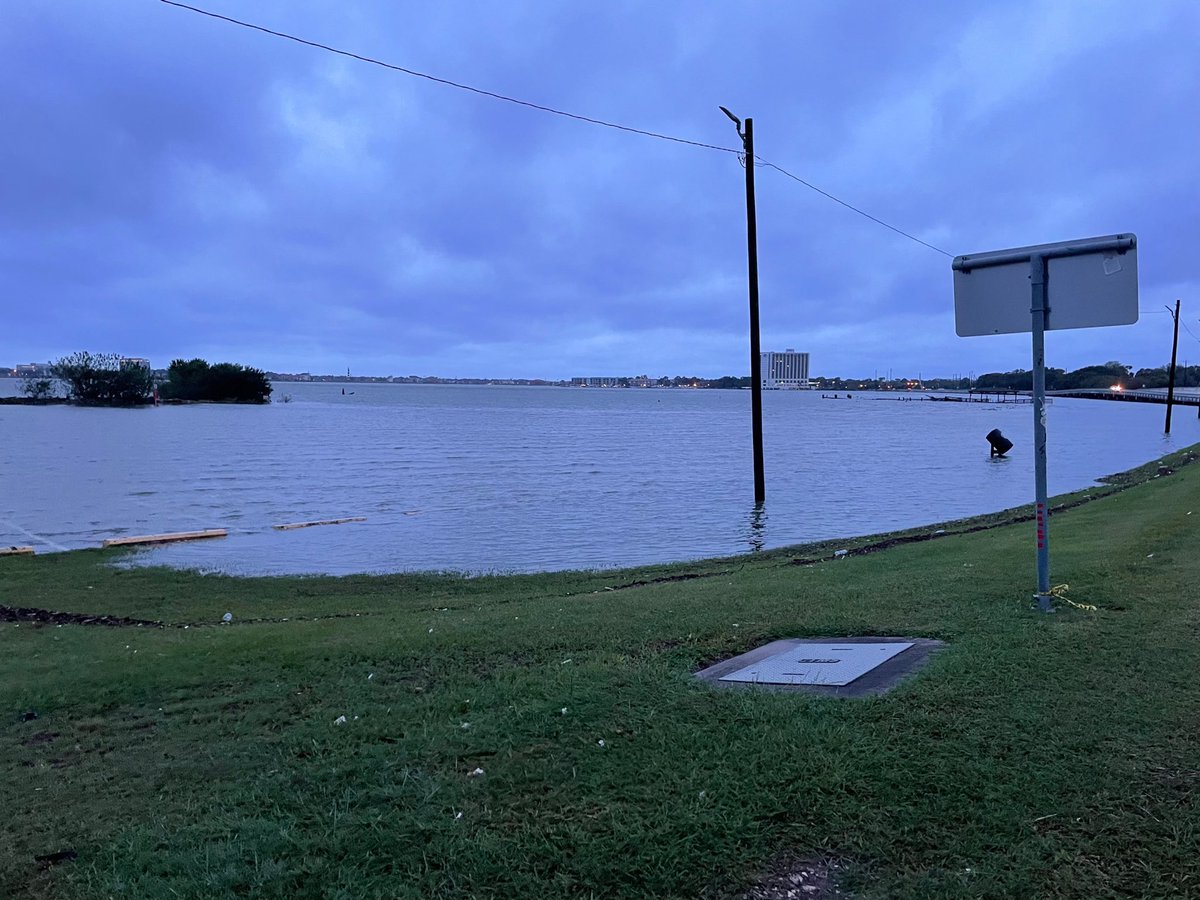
[1087, 291]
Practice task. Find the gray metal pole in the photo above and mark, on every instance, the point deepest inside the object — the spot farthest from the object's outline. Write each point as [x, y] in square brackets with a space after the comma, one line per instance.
[1039, 310]
[1171, 373]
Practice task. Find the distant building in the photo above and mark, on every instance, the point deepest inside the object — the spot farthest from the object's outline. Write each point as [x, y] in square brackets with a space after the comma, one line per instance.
[134, 362]
[597, 382]
[786, 371]
[33, 370]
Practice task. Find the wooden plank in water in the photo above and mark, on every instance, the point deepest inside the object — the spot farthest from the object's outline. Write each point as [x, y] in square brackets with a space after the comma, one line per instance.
[292, 525]
[166, 538]
[16, 551]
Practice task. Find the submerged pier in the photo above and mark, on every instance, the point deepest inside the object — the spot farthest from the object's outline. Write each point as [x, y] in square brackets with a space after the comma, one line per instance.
[1185, 397]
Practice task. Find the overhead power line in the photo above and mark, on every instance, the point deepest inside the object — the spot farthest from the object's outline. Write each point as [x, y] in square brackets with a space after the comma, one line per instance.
[447, 82]
[546, 109]
[1189, 331]
[849, 206]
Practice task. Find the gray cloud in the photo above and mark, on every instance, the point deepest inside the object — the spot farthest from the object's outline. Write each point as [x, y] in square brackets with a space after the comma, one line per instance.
[175, 185]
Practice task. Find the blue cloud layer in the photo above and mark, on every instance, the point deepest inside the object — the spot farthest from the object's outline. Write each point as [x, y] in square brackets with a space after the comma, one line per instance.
[178, 186]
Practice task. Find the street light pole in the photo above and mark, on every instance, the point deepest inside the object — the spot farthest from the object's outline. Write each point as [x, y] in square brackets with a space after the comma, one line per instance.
[747, 136]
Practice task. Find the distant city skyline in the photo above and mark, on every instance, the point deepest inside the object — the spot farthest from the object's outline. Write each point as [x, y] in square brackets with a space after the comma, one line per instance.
[605, 379]
[180, 186]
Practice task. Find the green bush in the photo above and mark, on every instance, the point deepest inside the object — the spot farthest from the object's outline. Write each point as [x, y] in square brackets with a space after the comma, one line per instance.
[104, 379]
[38, 388]
[195, 379]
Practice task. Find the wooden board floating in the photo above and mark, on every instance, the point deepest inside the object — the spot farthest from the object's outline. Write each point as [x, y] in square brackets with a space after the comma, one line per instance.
[292, 525]
[166, 538]
[16, 551]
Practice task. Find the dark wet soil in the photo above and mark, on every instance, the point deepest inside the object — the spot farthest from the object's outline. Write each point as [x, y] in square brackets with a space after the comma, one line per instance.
[49, 617]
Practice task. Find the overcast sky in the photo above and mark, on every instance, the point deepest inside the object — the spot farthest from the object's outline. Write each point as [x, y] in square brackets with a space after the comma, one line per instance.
[174, 186]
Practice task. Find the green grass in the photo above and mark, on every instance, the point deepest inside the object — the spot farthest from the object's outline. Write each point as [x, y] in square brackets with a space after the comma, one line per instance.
[1037, 755]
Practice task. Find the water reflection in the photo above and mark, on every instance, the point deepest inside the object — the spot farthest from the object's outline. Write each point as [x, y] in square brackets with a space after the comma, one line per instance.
[756, 533]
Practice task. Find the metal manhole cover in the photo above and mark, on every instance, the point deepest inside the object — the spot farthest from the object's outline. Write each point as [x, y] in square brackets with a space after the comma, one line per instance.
[821, 664]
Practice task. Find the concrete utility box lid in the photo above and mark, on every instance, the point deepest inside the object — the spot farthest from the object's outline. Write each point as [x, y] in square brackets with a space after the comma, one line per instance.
[839, 663]
[845, 667]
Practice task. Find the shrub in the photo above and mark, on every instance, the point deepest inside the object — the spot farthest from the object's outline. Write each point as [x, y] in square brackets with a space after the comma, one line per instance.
[104, 379]
[38, 388]
[195, 379]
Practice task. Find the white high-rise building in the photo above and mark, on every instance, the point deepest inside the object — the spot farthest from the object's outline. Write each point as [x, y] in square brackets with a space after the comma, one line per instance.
[786, 371]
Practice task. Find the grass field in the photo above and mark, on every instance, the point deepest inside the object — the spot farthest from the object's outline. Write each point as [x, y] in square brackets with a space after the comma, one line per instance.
[543, 736]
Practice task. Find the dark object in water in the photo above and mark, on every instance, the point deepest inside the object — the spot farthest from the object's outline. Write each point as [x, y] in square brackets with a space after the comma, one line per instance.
[1000, 444]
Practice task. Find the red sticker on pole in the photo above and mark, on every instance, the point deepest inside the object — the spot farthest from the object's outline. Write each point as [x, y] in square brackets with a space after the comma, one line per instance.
[1041, 526]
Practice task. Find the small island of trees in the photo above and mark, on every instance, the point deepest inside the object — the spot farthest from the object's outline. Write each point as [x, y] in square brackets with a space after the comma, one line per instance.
[195, 379]
[104, 379]
[107, 379]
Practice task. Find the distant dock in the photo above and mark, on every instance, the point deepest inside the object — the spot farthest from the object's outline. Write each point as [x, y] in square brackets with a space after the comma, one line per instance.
[1008, 397]
[1185, 397]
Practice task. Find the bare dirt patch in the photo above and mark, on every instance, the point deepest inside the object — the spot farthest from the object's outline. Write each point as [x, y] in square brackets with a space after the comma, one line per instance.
[50, 617]
[791, 877]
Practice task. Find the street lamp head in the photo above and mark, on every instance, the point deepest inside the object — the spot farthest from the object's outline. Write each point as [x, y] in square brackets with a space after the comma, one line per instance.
[736, 120]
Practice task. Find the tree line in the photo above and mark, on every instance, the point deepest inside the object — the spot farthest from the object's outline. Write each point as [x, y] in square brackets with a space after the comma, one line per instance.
[107, 379]
[1100, 377]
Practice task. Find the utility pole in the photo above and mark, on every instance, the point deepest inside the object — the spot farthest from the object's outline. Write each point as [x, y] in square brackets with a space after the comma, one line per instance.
[747, 136]
[1171, 373]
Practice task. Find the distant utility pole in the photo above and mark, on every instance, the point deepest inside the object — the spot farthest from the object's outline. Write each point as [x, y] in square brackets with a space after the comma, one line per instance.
[747, 136]
[1171, 373]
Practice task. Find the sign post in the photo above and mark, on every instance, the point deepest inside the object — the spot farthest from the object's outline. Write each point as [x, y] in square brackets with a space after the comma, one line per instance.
[1037, 280]
[1072, 284]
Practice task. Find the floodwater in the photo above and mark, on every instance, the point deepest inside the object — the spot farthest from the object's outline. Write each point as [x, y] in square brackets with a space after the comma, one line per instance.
[509, 478]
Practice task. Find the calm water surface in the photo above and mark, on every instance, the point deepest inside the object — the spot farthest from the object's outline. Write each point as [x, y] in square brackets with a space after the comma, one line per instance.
[491, 478]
